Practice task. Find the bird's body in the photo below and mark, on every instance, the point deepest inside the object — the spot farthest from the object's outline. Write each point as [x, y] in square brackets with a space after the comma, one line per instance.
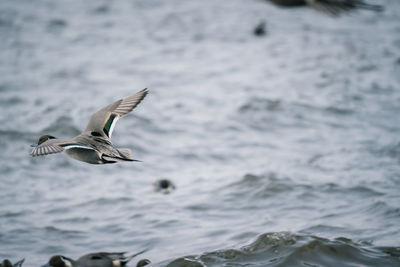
[259, 30]
[164, 186]
[100, 259]
[332, 7]
[93, 145]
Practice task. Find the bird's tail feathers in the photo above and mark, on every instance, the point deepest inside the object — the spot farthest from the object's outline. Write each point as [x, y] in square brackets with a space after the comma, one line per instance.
[112, 159]
[19, 263]
[125, 152]
[127, 259]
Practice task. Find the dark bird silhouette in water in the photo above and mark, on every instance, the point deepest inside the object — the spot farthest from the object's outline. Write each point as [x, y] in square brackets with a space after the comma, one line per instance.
[164, 186]
[259, 30]
[331, 7]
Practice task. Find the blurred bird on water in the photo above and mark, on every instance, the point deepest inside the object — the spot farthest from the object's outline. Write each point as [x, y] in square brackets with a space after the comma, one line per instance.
[331, 7]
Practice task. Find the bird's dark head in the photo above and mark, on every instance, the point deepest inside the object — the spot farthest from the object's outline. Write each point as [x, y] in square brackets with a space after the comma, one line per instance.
[164, 184]
[6, 263]
[58, 261]
[44, 138]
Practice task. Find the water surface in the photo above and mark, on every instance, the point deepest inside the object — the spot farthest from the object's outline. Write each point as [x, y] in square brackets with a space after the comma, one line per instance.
[285, 149]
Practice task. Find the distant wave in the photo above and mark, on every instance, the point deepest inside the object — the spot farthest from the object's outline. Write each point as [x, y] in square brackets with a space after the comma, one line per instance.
[271, 184]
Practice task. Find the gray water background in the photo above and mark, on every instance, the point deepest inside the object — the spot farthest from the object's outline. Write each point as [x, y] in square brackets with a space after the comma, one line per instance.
[284, 149]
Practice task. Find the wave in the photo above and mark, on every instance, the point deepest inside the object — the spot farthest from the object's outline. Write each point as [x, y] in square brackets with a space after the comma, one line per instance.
[287, 249]
[271, 184]
[387, 151]
[262, 186]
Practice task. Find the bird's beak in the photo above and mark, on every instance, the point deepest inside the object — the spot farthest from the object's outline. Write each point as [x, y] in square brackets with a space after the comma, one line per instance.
[46, 265]
[34, 145]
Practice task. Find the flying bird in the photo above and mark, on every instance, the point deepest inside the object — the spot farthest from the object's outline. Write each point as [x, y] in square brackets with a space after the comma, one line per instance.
[93, 145]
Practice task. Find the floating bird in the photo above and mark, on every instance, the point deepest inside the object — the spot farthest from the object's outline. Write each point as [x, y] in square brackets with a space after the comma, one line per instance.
[100, 259]
[7, 263]
[259, 30]
[164, 186]
[93, 145]
[332, 7]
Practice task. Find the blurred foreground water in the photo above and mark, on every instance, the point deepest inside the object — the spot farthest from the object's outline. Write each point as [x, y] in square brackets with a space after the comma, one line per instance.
[284, 149]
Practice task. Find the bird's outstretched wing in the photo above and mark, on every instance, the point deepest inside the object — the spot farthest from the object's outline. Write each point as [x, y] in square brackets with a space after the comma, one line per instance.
[50, 146]
[103, 121]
